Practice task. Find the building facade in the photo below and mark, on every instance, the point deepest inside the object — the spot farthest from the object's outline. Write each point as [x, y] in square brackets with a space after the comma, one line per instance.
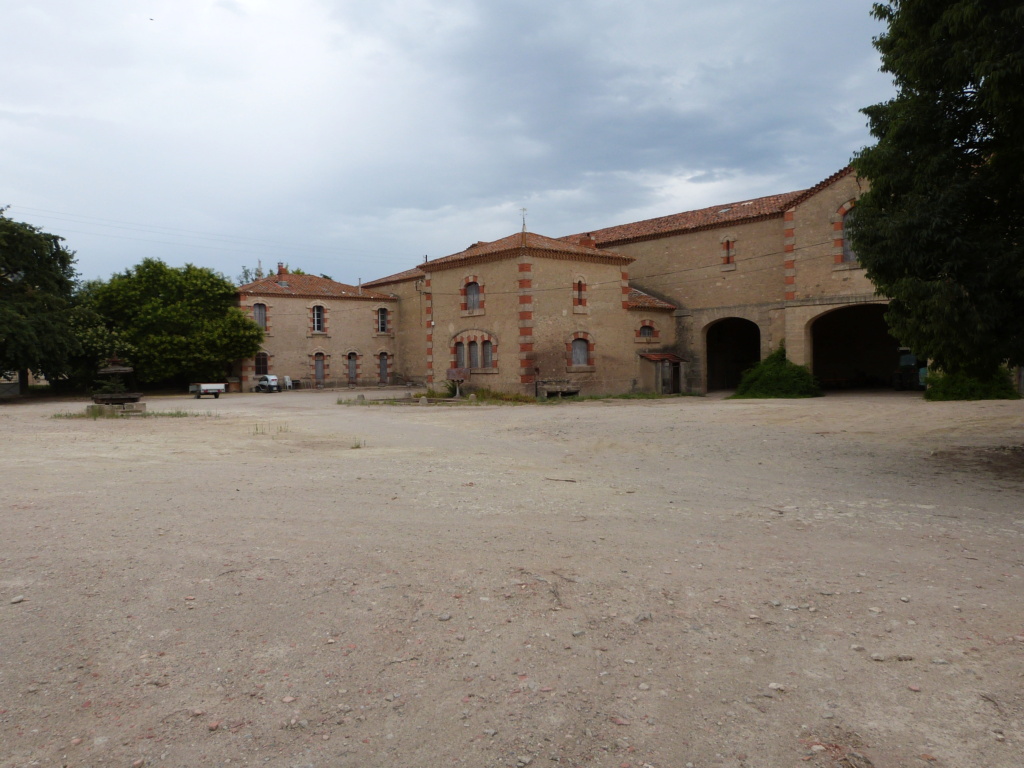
[319, 332]
[533, 315]
[685, 302]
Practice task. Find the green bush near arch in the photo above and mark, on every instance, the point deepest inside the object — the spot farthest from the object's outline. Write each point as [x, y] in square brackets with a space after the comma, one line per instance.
[775, 376]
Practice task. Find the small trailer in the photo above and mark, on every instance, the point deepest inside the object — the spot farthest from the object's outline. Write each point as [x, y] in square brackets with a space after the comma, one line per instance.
[207, 389]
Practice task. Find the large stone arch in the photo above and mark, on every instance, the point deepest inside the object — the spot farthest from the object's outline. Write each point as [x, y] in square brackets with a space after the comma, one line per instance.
[731, 346]
[851, 347]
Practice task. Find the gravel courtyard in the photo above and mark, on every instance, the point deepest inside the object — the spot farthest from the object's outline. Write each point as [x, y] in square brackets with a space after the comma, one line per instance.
[282, 580]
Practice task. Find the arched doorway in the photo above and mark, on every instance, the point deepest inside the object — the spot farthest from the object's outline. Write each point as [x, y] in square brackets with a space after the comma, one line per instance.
[353, 367]
[851, 348]
[382, 367]
[732, 346]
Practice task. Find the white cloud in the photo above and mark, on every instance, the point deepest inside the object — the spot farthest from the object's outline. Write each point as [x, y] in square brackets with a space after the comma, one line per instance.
[358, 135]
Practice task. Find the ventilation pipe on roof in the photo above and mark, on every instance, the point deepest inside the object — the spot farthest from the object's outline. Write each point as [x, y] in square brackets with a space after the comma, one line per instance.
[360, 286]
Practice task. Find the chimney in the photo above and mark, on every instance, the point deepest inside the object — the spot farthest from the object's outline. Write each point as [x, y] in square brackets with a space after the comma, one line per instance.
[588, 242]
[280, 268]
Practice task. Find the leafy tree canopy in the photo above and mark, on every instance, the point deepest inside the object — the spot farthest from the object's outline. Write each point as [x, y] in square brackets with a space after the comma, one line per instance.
[37, 278]
[182, 323]
[940, 231]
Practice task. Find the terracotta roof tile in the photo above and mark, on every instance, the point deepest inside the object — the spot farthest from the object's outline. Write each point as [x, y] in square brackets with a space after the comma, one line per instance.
[400, 277]
[639, 300]
[689, 221]
[536, 245]
[308, 286]
[807, 193]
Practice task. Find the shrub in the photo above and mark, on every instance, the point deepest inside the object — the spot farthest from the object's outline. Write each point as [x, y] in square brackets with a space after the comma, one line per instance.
[960, 386]
[775, 376]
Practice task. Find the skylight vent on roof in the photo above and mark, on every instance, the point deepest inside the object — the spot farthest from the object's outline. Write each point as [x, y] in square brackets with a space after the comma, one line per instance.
[283, 283]
[749, 202]
[725, 210]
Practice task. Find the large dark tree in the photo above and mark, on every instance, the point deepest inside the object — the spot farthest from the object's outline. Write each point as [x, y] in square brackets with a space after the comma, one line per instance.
[37, 278]
[941, 231]
[181, 323]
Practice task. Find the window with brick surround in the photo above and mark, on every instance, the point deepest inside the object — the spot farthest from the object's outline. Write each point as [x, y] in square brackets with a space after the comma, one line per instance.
[646, 331]
[475, 349]
[849, 255]
[580, 352]
[728, 251]
[262, 363]
[579, 294]
[472, 297]
[319, 319]
[382, 320]
[259, 315]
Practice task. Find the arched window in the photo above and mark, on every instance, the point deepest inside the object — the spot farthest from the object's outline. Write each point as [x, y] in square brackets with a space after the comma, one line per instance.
[318, 319]
[382, 320]
[262, 363]
[474, 355]
[472, 296]
[460, 355]
[259, 315]
[646, 331]
[488, 354]
[849, 255]
[580, 352]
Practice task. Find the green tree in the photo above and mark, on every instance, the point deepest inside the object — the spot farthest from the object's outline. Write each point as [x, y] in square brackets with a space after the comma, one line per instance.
[940, 230]
[37, 278]
[181, 322]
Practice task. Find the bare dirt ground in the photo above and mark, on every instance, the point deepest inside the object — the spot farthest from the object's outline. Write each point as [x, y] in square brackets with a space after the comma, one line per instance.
[292, 582]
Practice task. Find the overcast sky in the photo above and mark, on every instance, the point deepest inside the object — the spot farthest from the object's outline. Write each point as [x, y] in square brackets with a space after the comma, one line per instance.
[354, 137]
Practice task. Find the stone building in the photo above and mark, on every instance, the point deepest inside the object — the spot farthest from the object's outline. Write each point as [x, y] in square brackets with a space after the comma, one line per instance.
[531, 314]
[319, 332]
[748, 275]
[681, 302]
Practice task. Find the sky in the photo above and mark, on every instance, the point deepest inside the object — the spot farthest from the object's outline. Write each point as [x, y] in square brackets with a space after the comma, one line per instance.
[353, 138]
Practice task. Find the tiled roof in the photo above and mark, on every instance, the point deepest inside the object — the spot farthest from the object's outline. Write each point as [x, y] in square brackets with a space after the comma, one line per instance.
[410, 274]
[640, 300]
[689, 221]
[308, 286]
[807, 193]
[714, 216]
[533, 244]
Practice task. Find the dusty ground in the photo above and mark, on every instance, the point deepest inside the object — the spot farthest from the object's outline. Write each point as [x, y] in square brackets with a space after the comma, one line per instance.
[292, 582]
